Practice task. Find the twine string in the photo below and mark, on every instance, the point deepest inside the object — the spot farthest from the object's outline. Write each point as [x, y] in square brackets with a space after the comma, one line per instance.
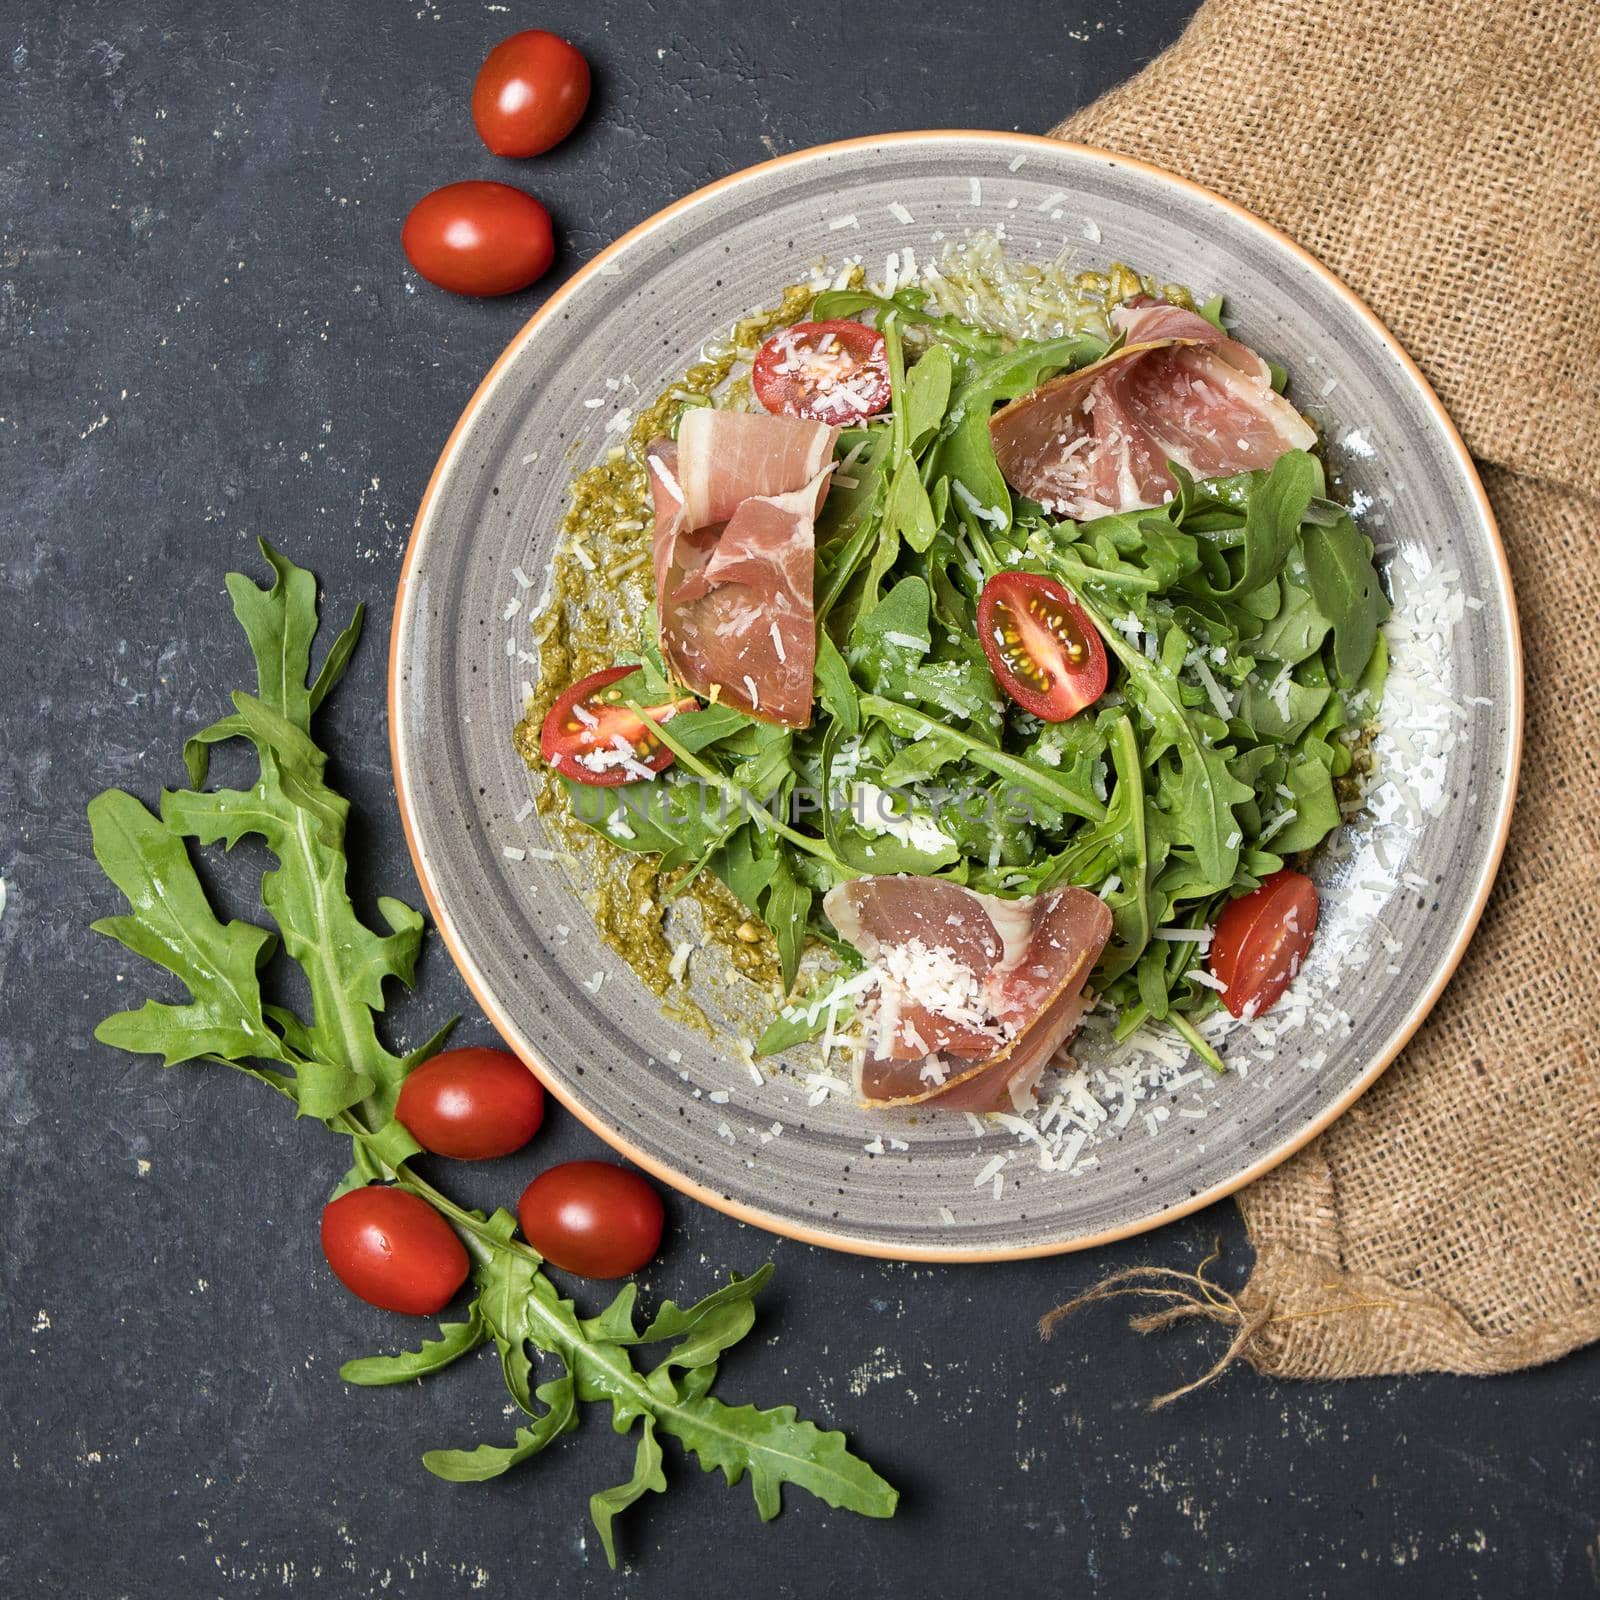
[1193, 1294]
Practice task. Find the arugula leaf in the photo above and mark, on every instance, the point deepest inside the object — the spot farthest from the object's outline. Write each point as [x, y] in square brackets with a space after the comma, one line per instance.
[647, 1478]
[1345, 586]
[1272, 522]
[677, 1322]
[927, 394]
[1297, 628]
[345, 961]
[1201, 796]
[745, 863]
[1281, 707]
[280, 624]
[173, 926]
[908, 512]
[341, 1072]
[485, 1461]
[432, 1355]
[302, 823]
[806, 1017]
[916, 724]
[1316, 811]
[892, 637]
[521, 1309]
[785, 909]
[678, 818]
[867, 849]
[776, 1448]
[919, 760]
[835, 690]
[1133, 915]
[849, 525]
[1368, 692]
[908, 305]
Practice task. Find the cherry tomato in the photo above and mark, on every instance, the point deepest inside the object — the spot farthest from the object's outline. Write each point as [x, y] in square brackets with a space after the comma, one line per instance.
[393, 1250]
[592, 1218]
[834, 372]
[530, 93]
[1261, 940]
[1043, 649]
[579, 737]
[479, 238]
[472, 1104]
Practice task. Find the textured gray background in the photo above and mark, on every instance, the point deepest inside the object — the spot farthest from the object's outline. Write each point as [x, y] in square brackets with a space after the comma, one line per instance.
[207, 332]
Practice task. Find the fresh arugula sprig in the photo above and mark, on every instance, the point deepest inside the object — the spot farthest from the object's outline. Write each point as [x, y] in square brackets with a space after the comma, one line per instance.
[332, 1064]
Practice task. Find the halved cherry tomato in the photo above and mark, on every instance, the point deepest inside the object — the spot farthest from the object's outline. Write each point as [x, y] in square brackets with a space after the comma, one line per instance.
[392, 1249]
[835, 372]
[1043, 649]
[529, 94]
[592, 1218]
[479, 238]
[1261, 940]
[472, 1104]
[581, 735]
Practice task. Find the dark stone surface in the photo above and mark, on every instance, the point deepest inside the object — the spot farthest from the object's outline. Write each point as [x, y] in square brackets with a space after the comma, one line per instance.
[208, 334]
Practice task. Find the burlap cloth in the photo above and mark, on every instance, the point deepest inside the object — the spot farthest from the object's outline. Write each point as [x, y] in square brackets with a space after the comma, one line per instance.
[1444, 160]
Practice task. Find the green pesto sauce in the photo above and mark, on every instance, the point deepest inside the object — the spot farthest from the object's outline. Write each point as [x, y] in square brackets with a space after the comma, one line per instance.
[599, 591]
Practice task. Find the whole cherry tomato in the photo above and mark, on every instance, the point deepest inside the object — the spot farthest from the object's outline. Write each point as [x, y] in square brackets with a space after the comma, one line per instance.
[472, 1104]
[530, 93]
[592, 1218]
[479, 238]
[393, 1250]
[1261, 941]
[1043, 650]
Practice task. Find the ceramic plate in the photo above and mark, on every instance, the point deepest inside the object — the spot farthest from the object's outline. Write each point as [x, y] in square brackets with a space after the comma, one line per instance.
[1144, 1139]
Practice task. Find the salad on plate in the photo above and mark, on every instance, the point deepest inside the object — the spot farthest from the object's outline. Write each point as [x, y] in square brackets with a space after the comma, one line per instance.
[997, 652]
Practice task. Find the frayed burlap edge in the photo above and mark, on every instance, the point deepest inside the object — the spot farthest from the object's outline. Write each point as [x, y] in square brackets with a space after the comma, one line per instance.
[1300, 1316]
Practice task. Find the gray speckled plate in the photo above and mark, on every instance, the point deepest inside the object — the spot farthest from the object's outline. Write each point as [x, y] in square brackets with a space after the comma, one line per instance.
[1401, 894]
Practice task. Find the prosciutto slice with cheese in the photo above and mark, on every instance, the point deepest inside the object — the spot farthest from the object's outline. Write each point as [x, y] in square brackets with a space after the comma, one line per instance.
[736, 501]
[1097, 441]
[973, 994]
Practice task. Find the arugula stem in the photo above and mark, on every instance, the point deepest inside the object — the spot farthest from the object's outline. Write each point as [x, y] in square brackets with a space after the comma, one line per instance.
[845, 567]
[620, 1378]
[889, 327]
[474, 1234]
[1134, 660]
[997, 761]
[1066, 567]
[473, 1230]
[733, 792]
[1197, 1041]
[981, 547]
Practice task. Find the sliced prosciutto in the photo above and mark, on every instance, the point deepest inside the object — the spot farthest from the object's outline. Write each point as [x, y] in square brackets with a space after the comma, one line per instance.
[973, 994]
[1097, 441]
[736, 501]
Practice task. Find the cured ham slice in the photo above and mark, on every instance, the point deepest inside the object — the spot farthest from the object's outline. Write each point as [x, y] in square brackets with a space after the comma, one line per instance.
[725, 457]
[1145, 319]
[1097, 441]
[974, 994]
[735, 504]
